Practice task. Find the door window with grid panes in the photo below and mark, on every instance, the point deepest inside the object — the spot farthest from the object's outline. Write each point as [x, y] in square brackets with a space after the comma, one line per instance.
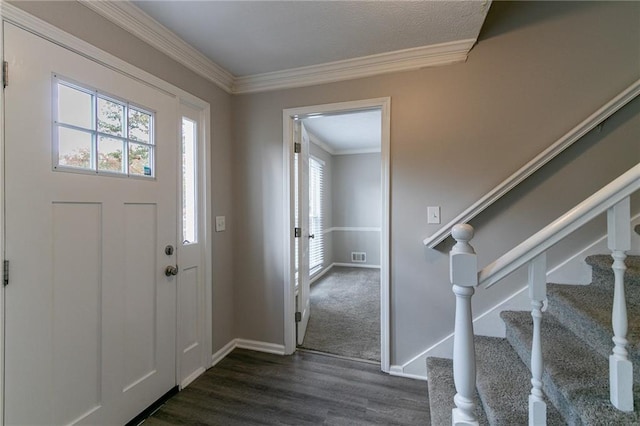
[97, 133]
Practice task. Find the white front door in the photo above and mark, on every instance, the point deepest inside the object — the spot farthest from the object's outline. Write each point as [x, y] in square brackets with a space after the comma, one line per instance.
[302, 209]
[90, 314]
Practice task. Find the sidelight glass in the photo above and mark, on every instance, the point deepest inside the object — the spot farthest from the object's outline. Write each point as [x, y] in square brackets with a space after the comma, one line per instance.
[189, 184]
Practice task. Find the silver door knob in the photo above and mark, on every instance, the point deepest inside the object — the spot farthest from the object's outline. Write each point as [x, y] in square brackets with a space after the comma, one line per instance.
[171, 270]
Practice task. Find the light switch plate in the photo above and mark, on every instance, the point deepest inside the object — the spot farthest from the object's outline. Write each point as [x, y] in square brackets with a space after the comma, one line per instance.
[220, 224]
[433, 214]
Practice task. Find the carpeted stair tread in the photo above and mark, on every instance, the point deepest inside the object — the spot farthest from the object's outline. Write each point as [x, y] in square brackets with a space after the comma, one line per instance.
[504, 384]
[602, 274]
[586, 311]
[442, 390]
[576, 379]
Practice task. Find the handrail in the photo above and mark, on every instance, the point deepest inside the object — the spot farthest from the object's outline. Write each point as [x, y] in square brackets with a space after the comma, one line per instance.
[598, 203]
[540, 160]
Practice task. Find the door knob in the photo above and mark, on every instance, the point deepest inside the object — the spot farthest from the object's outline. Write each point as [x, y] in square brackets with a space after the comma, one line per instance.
[312, 236]
[171, 270]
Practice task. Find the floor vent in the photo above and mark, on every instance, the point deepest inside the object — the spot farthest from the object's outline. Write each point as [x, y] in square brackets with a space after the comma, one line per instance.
[358, 256]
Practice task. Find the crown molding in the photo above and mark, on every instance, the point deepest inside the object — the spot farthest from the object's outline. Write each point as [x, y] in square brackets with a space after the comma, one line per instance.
[366, 66]
[132, 19]
[316, 140]
[358, 151]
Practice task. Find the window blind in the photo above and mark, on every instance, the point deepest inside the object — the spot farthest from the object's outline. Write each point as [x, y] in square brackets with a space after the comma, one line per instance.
[316, 224]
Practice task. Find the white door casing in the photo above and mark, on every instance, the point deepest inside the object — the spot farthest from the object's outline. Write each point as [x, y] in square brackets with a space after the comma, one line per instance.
[289, 118]
[90, 315]
[303, 304]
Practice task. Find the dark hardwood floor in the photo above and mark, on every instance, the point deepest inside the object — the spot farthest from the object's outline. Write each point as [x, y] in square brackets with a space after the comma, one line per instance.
[253, 388]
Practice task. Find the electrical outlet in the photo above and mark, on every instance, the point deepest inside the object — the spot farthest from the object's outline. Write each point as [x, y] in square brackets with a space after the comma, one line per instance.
[220, 224]
[433, 214]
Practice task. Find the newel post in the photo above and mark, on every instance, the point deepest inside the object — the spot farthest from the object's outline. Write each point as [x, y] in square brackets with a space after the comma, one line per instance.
[620, 368]
[464, 278]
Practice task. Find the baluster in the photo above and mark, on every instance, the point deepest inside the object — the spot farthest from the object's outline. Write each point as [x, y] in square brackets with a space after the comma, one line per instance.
[464, 277]
[537, 294]
[620, 368]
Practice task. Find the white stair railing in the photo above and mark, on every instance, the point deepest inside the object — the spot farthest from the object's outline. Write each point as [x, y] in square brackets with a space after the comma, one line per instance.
[612, 199]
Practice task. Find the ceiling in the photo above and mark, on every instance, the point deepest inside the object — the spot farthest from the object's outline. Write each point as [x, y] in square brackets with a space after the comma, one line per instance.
[253, 46]
[347, 133]
[255, 37]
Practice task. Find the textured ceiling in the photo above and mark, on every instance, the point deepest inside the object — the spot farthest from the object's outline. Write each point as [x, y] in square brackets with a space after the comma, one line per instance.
[255, 37]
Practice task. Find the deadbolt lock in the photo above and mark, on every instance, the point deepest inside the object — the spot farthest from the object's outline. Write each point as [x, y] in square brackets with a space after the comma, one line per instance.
[168, 250]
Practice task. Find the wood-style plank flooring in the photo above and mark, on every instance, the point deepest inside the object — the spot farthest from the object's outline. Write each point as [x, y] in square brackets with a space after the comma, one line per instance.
[253, 388]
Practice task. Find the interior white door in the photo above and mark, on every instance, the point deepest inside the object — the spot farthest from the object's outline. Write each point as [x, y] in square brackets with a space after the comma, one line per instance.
[192, 350]
[90, 314]
[303, 303]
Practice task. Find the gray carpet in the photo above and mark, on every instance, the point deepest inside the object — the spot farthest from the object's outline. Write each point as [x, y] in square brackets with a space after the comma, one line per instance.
[345, 314]
[576, 341]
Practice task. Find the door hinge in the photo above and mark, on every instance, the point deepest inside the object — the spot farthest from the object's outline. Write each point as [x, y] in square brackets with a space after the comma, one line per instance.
[297, 232]
[5, 272]
[5, 74]
[297, 147]
[298, 316]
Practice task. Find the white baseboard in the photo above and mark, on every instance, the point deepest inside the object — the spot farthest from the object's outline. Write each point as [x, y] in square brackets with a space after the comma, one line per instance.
[320, 274]
[397, 370]
[356, 265]
[254, 345]
[192, 377]
[489, 323]
[222, 353]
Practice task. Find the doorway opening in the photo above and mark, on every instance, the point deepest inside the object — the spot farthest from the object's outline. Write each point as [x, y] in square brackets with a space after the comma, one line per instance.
[337, 221]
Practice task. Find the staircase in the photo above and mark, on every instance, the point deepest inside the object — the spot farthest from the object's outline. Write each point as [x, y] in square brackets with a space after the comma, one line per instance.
[576, 344]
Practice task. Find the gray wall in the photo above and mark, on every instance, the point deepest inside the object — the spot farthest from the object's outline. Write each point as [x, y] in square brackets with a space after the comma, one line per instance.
[356, 204]
[89, 26]
[538, 69]
[456, 131]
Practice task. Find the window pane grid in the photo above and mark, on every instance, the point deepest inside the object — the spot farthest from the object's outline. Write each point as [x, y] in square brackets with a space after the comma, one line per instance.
[121, 134]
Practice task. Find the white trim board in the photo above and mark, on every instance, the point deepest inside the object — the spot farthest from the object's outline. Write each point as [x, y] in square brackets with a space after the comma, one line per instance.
[366, 66]
[325, 147]
[132, 19]
[574, 270]
[288, 117]
[357, 265]
[351, 229]
[253, 345]
[319, 274]
[356, 228]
